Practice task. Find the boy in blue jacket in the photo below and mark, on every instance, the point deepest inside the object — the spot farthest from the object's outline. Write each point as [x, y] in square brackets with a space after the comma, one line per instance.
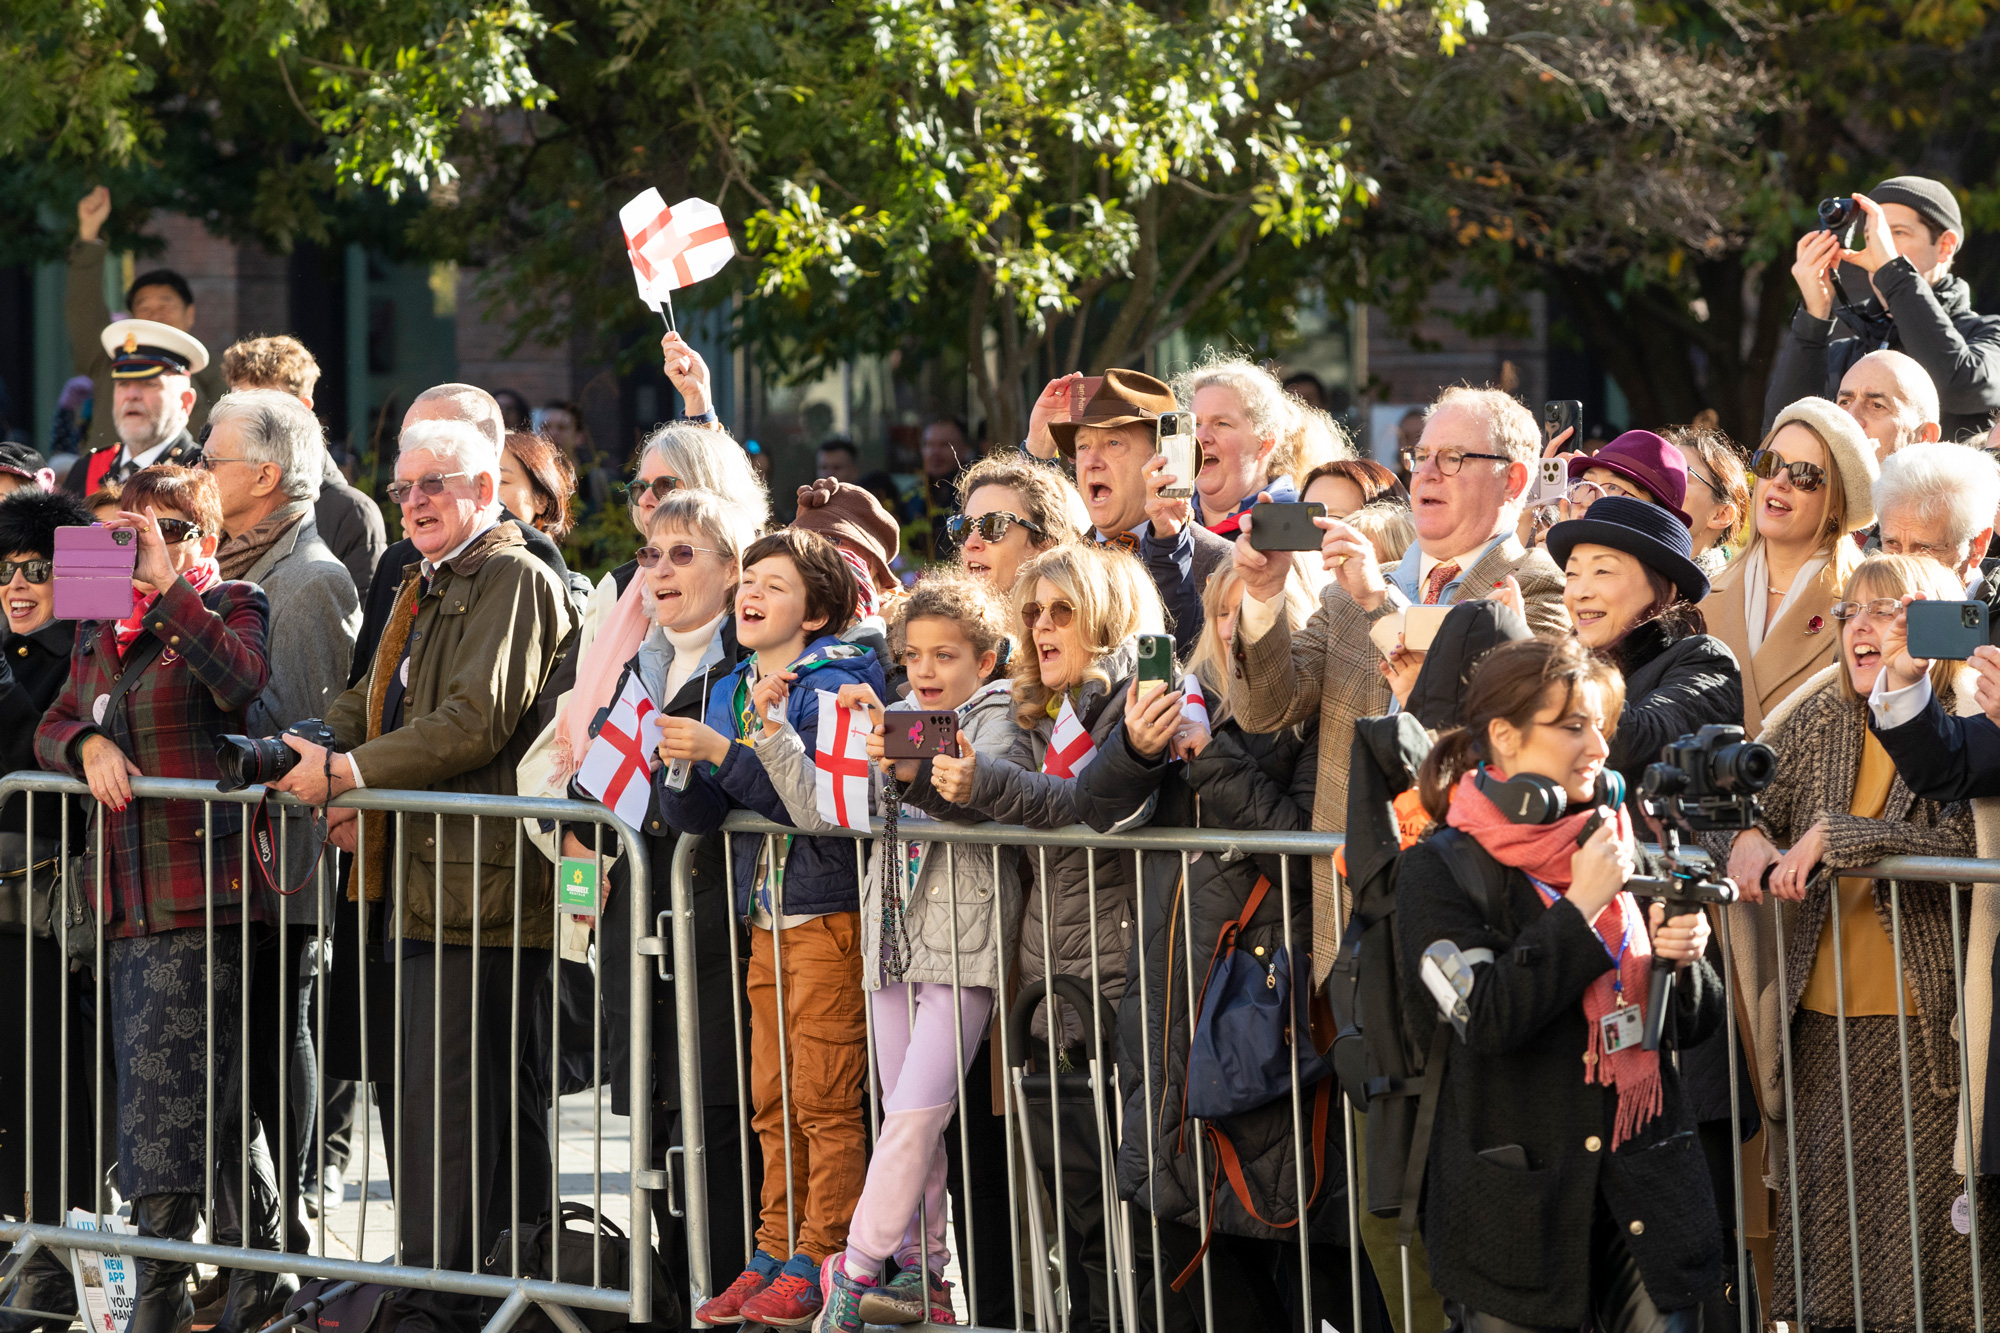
[800, 897]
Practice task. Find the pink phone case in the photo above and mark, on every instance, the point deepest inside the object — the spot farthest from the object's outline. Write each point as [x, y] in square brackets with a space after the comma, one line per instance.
[93, 572]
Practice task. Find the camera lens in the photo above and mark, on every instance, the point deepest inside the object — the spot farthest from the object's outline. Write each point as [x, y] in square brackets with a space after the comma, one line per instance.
[1833, 212]
[1663, 780]
[246, 761]
[1744, 767]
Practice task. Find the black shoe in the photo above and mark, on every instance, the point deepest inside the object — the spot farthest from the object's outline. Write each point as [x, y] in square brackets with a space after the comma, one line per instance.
[164, 1305]
[45, 1286]
[255, 1299]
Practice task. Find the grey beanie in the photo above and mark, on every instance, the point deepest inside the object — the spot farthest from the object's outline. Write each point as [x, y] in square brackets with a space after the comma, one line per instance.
[1932, 199]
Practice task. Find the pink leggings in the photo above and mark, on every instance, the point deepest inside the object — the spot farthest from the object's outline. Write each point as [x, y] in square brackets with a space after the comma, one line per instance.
[916, 1056]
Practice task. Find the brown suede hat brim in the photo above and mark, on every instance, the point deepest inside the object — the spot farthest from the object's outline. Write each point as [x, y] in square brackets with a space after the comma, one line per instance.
[1064, 432]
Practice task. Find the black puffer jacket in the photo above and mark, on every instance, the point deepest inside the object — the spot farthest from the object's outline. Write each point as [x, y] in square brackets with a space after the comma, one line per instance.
[1243, 781]
[1673, 686]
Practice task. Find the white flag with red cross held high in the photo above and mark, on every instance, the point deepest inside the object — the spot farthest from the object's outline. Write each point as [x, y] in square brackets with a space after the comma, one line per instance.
[616, 767]
[673, 247]
[1070, 746]
[840, 763]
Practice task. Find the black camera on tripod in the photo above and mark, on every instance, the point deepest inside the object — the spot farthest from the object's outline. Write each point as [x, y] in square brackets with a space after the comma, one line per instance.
[247, 761]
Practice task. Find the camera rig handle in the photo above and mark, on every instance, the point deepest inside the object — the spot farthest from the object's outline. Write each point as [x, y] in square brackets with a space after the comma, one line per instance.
[1680, 891]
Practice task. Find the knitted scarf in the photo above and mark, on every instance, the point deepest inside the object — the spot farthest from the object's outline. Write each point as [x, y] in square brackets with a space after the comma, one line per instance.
[201, 576]
[1543, 851]
[240, 554]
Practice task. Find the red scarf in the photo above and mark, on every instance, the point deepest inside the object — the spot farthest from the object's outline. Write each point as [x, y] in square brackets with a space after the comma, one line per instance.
[1543, 852]
[201, 576]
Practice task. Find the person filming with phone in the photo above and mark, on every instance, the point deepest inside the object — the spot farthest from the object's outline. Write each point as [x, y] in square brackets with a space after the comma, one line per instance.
[1564, 1179]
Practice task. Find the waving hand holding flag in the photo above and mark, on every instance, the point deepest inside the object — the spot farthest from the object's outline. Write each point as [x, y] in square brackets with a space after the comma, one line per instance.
[840, 763]
[615, 768]
[671, 248]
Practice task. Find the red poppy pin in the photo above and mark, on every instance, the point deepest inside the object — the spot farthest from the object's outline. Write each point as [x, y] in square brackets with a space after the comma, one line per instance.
[1816, 624]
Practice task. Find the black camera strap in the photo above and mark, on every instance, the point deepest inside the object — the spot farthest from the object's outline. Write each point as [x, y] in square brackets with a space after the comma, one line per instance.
[264, 840]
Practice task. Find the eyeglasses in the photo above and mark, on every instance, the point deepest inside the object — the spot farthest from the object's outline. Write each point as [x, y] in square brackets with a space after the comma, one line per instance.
[632, 492]
[991, 527]
[1584, 494]
[1881, 610]
[1714, 489]
[430, 484]
[1448, 461]
[680, 553]
[38, 571]
[1060, 614]
[174, 531]
[1767, 464]
[208, 461]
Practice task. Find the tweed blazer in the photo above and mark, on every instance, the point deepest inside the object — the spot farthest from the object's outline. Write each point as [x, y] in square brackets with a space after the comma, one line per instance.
[210, 668]
[1332, 667]
[1793, 649]
[1818, 738]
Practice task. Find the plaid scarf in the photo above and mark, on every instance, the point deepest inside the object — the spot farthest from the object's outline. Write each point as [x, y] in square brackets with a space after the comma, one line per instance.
[201, 576]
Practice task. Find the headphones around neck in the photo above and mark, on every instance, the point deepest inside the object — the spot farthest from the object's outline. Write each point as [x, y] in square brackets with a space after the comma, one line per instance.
[1530, 798]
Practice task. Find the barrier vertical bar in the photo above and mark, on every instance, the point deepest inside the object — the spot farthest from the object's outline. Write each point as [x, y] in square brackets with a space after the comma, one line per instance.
[208, 1176]
[365, 1097]
[1052, 1031]
[28, 1116]
[1152, 1113]
[1193, 1013]
[1008, 1111]
[1299, 1145]
[1791, 1115]
[514, 1074]
[743, 1090]
[1909, 1127]
[958, 1047]
[1743, 1286]
[1107, 1193]
[397, 1179]
[639, 1067]
[777, 914]
[243, 959]
[1846, 1104]
[103, 904]
[437, 1045]
[472, 1108]
[1965, 1110]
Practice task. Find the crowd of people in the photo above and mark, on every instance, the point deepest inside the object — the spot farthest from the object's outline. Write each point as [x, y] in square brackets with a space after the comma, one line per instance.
[1574, 1173]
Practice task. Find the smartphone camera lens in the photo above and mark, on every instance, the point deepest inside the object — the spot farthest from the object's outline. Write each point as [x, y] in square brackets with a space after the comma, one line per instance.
[1968, 616]
[123, 536]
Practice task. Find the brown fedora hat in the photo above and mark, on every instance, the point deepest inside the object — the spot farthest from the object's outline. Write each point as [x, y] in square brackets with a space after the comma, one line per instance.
[1124, 397]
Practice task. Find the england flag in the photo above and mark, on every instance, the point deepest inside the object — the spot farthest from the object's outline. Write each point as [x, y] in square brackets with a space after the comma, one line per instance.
[1070, 747]
[673, 247]
[615, 768]
[1194, 704]
[840, 764]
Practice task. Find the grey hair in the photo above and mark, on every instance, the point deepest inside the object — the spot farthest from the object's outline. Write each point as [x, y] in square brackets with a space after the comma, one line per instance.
[726, 527]
[277, 428]
[468, 403]
[1263, 397]
[1510, 427]
[463, 443]
[711, 460]
[1952, 483]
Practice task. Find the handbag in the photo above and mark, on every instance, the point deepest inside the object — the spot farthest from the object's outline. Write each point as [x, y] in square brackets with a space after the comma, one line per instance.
[1240, 1055]
[29, 877]
[574, 1264]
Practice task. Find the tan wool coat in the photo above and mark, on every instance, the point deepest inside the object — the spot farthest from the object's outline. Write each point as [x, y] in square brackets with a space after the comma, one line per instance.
[1793, 650]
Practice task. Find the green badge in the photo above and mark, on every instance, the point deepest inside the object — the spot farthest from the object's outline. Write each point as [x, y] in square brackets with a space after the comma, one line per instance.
[576, 885]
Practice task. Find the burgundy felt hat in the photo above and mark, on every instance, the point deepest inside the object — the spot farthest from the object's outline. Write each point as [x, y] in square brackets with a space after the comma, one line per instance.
[1644, 459]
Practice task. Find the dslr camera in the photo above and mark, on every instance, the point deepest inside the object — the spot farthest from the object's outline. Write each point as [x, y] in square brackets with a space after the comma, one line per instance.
[1711, 779]
[248, 761]
[1844, 218]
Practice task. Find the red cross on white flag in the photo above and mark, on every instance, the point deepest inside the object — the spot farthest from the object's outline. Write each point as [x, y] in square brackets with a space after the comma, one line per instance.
[1194, 704]
[840, 763]
[1070, 747]
[672, 247]
[615, 769]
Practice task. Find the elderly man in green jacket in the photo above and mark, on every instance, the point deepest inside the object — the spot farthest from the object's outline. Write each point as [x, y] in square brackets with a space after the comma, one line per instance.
[446, 705]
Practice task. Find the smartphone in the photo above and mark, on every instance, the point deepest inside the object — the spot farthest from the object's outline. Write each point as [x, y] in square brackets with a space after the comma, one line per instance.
[919, 735]
[677, 775]
[1081, 392]
[1512, 1156]
[1551, 480]
[1156, 659]
[1287, 527]
[1949, 630]
[1183, 457]
[93, 572]
[1563, 414]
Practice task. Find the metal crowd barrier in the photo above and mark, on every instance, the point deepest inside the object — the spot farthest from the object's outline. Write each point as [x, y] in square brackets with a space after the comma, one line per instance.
[558, 1291]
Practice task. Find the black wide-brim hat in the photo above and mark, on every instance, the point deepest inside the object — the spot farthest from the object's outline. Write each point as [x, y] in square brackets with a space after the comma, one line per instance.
[1650, 534]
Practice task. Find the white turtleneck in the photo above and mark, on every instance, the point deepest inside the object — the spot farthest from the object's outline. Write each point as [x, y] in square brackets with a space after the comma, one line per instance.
[689, 645]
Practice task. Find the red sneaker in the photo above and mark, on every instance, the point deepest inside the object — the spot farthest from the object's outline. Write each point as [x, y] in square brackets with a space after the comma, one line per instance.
[727, 1308]
[789, 1302]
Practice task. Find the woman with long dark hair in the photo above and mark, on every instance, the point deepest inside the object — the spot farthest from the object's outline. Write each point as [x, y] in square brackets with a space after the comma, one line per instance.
[1564, 1179]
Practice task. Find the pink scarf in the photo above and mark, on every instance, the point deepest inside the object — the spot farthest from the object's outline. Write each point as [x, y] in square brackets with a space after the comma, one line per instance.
[1543, 852]
[598, 672]
[201, 576]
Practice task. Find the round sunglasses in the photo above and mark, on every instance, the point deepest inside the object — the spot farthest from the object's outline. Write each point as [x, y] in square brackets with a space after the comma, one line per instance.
[680, 553]
[174, 531]
[991, 527]
[1767, 464]
[431, 484]
[1060, 614]
[632, 492]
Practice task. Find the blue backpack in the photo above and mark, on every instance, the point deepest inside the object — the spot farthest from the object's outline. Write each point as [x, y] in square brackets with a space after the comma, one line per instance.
[1240, 1057]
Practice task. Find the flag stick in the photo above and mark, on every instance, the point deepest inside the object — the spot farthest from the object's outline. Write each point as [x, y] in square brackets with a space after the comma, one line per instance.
[667, 313]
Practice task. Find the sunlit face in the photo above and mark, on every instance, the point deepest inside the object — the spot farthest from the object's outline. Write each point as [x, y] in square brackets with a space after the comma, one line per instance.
[996, 562]
[771, 605]
[1881, 404]
[164, 305]
[1786, 515]
[651, 467]
[1233, 458]
[1225, 618]
[1060, 653]
[1111, 472]
[1458, 514]
[944, 668]
[1913, 241]
[1606, 592]
[1905, 532]
[1565, 744]
[29, 605]
[688, 597]
[1340, 496]
[183, 555]
[1866, 639]
[147, 413]
[439, 524]
[1709, 517]
[516, 492]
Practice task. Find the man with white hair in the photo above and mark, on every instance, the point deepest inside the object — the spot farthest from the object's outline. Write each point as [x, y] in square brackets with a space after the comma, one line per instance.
[1937, 501]
[446, 705]
[152, 369]
[1892, 399]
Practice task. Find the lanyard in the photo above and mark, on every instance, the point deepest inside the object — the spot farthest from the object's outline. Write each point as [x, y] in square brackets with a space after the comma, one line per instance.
[1617, 958]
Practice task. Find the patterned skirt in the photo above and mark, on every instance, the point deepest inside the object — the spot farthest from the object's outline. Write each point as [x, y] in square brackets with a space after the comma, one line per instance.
[1889, 1292]
[160, 1046]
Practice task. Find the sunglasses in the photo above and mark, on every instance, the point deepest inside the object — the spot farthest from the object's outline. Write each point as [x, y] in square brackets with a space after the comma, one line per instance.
[1060, 614]
[430, 484]
[632, 492]
[680, 553]
[177, 530]
[38, 571]
[1767, 464]
[990, 527]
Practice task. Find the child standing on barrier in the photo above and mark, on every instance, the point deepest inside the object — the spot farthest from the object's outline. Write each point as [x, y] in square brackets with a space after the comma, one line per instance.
[798, 895]
[936, 922]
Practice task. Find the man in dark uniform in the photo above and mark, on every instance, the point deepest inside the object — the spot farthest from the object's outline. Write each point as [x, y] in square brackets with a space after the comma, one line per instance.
[152, 393]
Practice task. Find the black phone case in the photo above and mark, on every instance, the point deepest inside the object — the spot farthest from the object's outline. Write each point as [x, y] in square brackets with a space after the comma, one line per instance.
[1287, 527]
[919, 735]
[1512, 1156]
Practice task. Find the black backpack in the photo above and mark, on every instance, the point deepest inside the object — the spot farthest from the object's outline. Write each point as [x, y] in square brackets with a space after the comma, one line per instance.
[1390, 1061]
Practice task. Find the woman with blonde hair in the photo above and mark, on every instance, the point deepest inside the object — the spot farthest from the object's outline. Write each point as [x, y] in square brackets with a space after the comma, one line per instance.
[1837, 802]
[1249, 432]
[1815, 475]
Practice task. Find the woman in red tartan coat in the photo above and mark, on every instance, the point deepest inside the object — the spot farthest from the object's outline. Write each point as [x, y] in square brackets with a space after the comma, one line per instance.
[199, 643]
